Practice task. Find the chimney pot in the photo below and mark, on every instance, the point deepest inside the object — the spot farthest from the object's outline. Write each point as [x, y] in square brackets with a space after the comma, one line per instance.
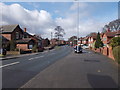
[24, 29]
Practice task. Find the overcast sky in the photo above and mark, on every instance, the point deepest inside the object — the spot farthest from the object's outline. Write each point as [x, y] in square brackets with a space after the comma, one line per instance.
[42, 17]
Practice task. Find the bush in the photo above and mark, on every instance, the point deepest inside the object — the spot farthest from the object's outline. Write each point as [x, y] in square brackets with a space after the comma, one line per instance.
[116, 53]
[34, 49]
[115, 42]
[12, 45]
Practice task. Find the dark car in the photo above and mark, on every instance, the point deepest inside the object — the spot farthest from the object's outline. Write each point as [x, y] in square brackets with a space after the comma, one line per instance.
[3, 51]
[77, 49]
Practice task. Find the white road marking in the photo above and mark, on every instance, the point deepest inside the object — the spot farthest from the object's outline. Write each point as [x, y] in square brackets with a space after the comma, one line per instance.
[41, 56]
[31, 59]
[35, 57]
[99, 71]
[9, 64]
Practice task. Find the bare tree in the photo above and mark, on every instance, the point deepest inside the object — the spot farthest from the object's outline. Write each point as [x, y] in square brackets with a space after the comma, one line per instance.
[113, 26]
[59, 32]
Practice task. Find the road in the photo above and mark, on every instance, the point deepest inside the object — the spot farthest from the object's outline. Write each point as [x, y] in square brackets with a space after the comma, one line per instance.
[61, 68]
[85, 70]
[16, 72]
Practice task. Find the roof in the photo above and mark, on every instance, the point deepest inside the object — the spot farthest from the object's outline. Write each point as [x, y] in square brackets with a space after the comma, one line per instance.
[25, 40]
[93, 35]
[118, 32]
[8, 28]
[110, 34]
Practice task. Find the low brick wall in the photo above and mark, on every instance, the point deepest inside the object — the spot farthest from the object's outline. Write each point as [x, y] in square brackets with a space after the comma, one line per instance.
[111, 53]
[105, 51]
[13, 52]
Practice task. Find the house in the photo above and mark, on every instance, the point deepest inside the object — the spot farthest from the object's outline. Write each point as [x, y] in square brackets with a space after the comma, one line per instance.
[91, 39]
[12, 32]
[85, 40]
[22, 39]
[107, 36]
[54, 41]
[117, 33]
[4, 42]
[45, 42]
[25, 44]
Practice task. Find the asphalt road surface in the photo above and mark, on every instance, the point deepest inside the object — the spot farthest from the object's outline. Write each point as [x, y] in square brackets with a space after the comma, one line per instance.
[60, 68]
[84, 70]
[16, 72]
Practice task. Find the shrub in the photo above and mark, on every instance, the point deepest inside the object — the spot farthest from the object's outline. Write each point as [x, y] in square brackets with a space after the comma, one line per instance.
[34, 49]
[12, 45]
[115, 42]
[116, 53]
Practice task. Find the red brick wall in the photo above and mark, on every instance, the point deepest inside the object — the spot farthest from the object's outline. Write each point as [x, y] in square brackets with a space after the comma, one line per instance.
[8, 36]
[111, 53]
[105, 51]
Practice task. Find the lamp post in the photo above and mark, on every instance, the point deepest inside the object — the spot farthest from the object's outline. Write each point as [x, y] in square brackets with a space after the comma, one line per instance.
[77, 1]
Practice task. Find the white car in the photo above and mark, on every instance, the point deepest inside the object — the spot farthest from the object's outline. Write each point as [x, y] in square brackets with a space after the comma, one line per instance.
[85, 47]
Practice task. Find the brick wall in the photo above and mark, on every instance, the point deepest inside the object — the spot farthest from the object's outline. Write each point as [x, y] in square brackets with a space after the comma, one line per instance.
[8, 36]
[111, 53]
[105, 51]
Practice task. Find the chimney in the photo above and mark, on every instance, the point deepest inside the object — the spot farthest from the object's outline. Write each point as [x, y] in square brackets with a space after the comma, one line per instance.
[24, 29]
[108, 30]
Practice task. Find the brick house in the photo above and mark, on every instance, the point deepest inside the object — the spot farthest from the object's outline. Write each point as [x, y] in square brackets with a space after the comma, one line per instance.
[4, 41]
[23, 40]
[45, 42]
[25, 44]
[85, 41]
[117, 33]
[107, 36]
[54, 41]
[12, 32]
[91, 39]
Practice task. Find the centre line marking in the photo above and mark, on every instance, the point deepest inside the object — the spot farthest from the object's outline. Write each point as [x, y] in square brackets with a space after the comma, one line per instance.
[9, 64]
[30, 58]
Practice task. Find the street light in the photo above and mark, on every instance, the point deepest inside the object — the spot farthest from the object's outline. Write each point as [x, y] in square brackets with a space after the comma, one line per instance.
[77, 20]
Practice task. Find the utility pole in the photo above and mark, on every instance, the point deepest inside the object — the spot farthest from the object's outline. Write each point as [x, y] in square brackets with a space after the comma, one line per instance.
[78, 24]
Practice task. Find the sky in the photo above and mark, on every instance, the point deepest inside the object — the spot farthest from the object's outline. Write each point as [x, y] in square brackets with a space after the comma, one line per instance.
[42, 17]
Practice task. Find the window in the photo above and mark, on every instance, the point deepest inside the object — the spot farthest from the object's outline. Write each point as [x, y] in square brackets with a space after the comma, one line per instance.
[17, 35]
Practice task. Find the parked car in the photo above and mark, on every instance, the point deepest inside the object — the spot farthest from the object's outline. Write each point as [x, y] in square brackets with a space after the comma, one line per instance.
[40, 49]
[85, 47]
[78, 49]
[3, 51]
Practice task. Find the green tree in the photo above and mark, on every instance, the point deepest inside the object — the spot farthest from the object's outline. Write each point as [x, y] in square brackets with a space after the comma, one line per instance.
[115, 41]
[98, 42]
[12, 45]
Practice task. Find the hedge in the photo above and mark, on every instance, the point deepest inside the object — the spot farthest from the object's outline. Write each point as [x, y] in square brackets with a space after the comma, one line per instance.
[116, 53]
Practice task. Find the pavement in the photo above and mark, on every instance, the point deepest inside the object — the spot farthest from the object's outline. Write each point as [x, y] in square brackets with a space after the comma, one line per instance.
[85, 70]
[15, 56]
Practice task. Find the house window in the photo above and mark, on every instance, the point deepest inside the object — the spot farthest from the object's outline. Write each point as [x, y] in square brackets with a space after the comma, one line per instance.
[30, 46]
[104, 38]
[17, 35]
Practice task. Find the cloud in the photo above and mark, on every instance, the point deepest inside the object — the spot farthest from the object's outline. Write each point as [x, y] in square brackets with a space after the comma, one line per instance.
[42, 23]
[35, 21]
